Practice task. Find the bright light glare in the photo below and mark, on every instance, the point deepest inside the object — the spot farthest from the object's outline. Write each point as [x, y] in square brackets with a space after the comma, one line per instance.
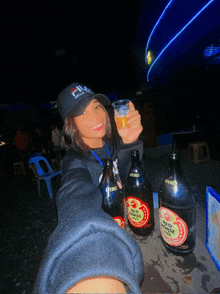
[149, 57]
[175, 188]
[162, 51]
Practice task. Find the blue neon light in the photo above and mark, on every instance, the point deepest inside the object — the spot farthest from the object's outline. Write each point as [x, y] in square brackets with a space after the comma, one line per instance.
[162, 51]
[162, 14]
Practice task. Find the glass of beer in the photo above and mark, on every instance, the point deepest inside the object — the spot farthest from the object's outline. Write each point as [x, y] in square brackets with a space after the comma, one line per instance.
[121, 108]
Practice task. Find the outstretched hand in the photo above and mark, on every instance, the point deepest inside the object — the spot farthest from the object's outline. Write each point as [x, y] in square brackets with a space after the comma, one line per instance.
[131, 133]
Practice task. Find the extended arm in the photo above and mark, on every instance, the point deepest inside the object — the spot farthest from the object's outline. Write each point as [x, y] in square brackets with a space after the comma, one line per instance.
[87, 242]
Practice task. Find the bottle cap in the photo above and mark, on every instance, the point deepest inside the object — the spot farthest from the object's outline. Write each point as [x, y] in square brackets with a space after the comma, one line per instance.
[107, 161]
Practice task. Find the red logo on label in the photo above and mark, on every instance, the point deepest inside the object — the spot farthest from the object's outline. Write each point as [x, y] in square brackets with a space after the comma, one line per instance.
[173, 229]
[134, 203]
[138, 212]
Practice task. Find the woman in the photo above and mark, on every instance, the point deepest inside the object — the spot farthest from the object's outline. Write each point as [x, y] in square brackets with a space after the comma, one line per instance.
[88, 251]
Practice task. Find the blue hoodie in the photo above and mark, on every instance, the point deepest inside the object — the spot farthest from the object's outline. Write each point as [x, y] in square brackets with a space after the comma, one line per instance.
[87, 242]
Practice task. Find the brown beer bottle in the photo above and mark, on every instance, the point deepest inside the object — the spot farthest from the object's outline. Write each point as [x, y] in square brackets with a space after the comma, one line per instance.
[139, 198]
[177, 209]
[113, 200]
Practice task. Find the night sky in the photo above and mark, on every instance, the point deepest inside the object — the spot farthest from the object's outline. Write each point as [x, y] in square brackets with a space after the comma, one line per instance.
[101, 44]
[44, 51]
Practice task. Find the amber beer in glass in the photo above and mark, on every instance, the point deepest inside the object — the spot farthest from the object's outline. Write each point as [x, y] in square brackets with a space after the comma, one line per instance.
[121, 109]
[121, 122]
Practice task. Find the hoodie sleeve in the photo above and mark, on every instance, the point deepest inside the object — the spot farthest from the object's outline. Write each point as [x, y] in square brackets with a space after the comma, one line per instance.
[87, 242]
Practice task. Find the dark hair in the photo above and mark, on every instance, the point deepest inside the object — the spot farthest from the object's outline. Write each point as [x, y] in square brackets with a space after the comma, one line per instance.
[71, 137]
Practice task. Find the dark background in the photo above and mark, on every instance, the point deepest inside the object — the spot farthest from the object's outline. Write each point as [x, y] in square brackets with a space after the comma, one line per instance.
[43, 51]
[47, 45]
[101, 44]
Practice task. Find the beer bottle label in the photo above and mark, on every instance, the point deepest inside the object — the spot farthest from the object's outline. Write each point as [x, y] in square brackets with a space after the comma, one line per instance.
[120, 221]
[138, 212]
[111, 189]
[134, 175]
[173, 229]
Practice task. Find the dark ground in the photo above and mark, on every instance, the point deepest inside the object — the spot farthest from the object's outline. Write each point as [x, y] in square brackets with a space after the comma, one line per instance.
[27, 220]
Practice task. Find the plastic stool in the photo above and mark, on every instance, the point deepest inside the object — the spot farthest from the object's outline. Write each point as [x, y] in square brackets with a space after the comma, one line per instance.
[19, 168]
[198, 151]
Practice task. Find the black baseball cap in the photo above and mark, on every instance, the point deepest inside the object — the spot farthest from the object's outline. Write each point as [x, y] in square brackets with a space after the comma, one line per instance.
[75, 98]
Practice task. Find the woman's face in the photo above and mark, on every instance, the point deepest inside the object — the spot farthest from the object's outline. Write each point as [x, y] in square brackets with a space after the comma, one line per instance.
[92, 124]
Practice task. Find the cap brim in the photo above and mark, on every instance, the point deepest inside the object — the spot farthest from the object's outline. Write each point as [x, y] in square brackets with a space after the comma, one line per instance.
[81, 106]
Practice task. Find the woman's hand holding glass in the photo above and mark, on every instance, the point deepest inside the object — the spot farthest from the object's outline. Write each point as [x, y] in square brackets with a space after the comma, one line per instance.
[133, 128]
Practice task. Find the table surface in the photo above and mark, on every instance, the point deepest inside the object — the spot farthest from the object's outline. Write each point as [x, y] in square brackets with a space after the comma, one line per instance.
[168, 273]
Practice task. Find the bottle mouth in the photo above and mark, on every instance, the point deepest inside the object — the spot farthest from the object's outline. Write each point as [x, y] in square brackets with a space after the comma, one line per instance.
[108, 161]
[173, 155]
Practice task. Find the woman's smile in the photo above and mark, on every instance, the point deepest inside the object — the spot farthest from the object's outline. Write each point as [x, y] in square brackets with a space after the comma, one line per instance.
[98, 127]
